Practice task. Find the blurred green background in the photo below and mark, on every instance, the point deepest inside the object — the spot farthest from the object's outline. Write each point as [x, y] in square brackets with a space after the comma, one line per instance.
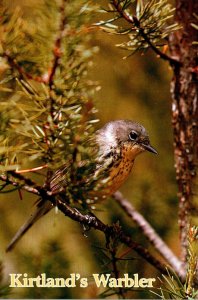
[136, 88]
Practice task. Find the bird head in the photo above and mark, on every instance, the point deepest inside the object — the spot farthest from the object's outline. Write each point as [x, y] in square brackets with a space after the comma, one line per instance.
[124, 133]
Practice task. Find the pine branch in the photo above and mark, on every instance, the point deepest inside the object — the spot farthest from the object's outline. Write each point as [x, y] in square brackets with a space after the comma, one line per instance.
[54, 110]
[22, 73]
[150, 233]
[21, 177]
[90, 220]
[31, 189]
[57, 53]
[135, 22]
[57, 45]
[147, 28]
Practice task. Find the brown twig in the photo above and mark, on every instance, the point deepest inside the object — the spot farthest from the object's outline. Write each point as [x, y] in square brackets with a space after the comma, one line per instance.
[150, 234]
[57, 45]
[89, 220]
[22, 73]
[49, 130]
[27, 188]
[21, 177]
[93, 222]
[57, 53]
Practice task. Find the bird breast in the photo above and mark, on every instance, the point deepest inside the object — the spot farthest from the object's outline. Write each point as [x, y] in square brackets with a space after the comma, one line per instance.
[114, 174]
[120, 170]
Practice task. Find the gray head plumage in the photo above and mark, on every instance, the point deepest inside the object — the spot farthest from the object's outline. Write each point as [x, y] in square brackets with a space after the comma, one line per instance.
[116, 133]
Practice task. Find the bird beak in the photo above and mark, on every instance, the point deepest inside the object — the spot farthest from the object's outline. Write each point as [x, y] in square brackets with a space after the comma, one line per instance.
[149, 148]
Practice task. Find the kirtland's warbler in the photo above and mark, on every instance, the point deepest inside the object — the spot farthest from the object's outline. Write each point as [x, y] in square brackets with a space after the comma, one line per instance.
[118, 142]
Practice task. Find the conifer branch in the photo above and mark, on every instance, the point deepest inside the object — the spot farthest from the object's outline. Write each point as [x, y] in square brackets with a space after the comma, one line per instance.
[90, 220]
[161, 54]
[21, 177]
[57, 45]
[57, 55]
[136, 23]
[31, 189]
[22, 73]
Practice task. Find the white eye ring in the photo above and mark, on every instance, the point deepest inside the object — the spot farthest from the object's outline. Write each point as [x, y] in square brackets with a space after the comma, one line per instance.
[133, 135]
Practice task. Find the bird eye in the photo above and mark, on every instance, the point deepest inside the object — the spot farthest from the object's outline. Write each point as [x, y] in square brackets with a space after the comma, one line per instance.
[133, 135]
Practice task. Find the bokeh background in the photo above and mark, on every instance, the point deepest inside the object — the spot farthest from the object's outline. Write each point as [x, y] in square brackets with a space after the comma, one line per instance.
[136, 88]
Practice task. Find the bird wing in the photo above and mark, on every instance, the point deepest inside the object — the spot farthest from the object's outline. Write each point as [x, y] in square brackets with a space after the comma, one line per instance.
[59, 180]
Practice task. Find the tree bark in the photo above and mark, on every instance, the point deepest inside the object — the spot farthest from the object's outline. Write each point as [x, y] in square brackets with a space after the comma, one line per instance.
[184, 90]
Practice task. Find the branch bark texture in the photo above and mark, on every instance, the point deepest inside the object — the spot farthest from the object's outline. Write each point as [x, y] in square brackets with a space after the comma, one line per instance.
[150, 233]
[184, 89]
[90, 220]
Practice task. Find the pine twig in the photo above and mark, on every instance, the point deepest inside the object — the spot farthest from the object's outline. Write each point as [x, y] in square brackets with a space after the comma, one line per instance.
[50, 81]
[57, 52]
[22, 73]
[90, 220]
[93, 222]
[57, 45]
[135, 22]
[21, 177]
[31, 189]
[150, 233]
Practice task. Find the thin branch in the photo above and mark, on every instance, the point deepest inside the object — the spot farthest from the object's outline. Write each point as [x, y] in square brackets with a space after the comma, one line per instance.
[50, 81]
[150, 233]
[57, 45]
[135, 22]
[57, 52]
[25, 187]
[21, 177]
[92, 221]
[22, 73]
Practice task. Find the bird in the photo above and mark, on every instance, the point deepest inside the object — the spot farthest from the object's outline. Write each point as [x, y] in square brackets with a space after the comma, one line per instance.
[118, 143]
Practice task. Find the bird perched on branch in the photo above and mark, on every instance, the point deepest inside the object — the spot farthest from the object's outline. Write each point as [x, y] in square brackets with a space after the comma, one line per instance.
[118, 143]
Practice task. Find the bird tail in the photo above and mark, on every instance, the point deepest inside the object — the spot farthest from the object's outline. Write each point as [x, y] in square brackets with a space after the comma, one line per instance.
[42, 209]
